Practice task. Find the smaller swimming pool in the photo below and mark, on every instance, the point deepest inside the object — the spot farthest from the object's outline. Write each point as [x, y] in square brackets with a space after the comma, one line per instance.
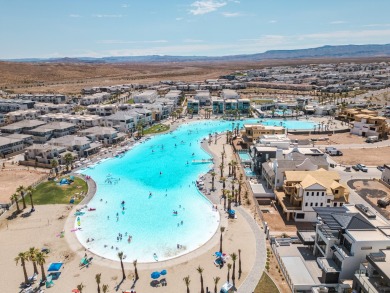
[245, 157]
[249, 172]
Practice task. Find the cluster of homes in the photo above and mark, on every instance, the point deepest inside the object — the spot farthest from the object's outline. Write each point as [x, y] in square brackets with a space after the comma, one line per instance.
[342, 246]
[340, 77]
[365, 122]
[228, 102]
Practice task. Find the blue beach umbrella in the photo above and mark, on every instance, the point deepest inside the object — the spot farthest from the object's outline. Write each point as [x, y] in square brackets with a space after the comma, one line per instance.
[155, 275]
[163, 272]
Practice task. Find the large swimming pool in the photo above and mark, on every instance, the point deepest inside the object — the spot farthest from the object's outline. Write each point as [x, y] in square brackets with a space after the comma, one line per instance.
[139, 193]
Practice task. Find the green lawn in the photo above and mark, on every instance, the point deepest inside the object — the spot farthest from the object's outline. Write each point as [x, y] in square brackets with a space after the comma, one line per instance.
[130, 101]
[51, 193]
[156, 129]
[266, 285]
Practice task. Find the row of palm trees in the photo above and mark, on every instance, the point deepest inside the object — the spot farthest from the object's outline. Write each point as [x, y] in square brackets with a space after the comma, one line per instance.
[200, 270]
[36, 257]
[68, 160]
[98, 277]
[21, 191]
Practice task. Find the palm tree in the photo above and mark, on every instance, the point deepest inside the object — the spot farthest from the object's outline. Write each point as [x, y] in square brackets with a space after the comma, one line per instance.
[229, 266]
[120, 255]
[234, 258]
[273, 112]
[216, 280]
[30, 191]
[200, 271]
[135, 270]
[97, 278]
[230, 167]
[239, 264]
[187, 281]
[221, 169]
[14, 198]
[105, 288]
[223, 179]
[222, 229]
[41, 260]
[32, 256]
[212, 179]
[234, 168]
[23, 257]
[80, 287]
[54, 165]
[21, 190]
[240, 183]
[68, 160]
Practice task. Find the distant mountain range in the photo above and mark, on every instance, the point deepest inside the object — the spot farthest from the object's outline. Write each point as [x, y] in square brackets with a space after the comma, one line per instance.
[345, 51]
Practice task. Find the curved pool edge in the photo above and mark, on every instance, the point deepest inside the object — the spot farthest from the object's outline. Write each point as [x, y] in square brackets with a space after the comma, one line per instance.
[76, 245]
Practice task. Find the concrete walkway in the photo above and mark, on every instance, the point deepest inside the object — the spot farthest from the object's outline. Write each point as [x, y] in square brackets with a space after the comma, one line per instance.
[254, 276]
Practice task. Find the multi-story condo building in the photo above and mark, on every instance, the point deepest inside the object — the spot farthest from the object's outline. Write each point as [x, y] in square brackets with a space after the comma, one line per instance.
[21, 126]
[193, 105]
[10, 105]
[105, 135]
[344, 236]
[305, 190]
[252, 132]
[47, 131]
[149, 96]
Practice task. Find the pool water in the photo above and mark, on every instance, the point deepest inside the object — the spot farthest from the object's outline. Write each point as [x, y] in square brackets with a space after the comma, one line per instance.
[249, 172]
[244, 156]
[154, 179]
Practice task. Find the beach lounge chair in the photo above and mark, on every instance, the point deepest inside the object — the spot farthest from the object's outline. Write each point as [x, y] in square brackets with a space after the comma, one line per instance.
[32, 279]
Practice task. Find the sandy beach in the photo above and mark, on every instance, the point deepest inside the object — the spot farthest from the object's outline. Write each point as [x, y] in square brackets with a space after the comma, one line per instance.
[48, 221]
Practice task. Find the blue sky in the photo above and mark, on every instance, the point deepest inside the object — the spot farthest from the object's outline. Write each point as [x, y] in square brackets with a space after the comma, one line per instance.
[96, 28]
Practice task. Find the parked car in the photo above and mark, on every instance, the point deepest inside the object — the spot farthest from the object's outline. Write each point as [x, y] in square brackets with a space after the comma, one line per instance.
[360, 167]
[383, 202]
[381, 168]
[372, 139]
[332, 151]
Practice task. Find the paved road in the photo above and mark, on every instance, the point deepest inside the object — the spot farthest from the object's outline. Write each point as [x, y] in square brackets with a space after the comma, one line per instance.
[379, 144]
[253, 278]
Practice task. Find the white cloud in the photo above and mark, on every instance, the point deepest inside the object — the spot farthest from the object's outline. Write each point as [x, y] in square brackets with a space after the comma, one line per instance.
[130, 42]
[108, 15]
[125, 5]
[232, 14]
[235, 1]
[74, 15]
[205, 6]
[273, 21]
[338, 22]
[192, 41]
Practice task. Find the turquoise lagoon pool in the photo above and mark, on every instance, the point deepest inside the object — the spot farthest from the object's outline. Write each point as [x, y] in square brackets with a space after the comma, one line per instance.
[154, 179]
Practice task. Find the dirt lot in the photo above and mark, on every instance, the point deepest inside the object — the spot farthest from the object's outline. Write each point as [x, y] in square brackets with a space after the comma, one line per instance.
[69, 76]
[371, 191]
[369, 156]
[278, 223]
[337, 138]
[12, 176]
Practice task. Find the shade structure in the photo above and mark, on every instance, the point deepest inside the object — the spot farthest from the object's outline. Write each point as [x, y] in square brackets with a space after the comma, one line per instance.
[55, 267]
[163, 272]
[218, 254]
[155, 275]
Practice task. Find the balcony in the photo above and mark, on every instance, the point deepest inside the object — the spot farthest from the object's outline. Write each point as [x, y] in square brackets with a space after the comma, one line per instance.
[328, 265]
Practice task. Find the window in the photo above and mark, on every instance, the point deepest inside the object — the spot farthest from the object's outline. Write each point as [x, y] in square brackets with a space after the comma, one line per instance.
[335, 204]
[316, 204]
[328, 201]
[306, 204]
[323, 193]
[312, 193]
[336, 191]
[300, 216]
[341, 204]
[318, 193]
[321, 204]
[311, 204]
